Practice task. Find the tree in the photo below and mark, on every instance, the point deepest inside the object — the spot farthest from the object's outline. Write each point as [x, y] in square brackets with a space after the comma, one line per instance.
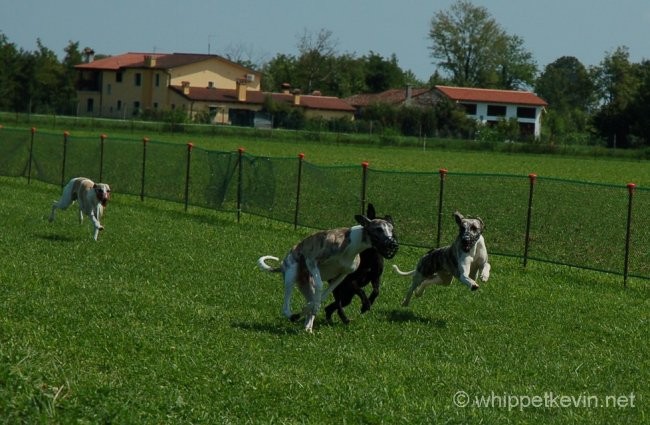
[316, 59]
[566, 85]
[516, 67]
[618, 83]
[473, 48]
[382, 74]
[569, 89]
[639, 108]
[66, 100]
[9, 57]
[279, 70]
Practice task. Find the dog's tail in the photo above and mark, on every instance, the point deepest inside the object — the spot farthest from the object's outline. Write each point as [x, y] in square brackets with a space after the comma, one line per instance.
[411, 273]
[261, 263]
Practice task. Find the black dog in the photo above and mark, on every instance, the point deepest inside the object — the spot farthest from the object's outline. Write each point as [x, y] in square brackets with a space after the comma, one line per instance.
[370, 270]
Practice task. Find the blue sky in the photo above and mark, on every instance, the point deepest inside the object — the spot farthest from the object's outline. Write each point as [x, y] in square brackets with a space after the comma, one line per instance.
[586, 29]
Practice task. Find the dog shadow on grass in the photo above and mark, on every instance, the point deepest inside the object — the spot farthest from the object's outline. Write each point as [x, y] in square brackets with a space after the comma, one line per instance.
[408, 316]
[56, 237]
[267, 328]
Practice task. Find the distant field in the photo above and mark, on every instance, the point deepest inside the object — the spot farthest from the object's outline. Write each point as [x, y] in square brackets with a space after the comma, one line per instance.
[601, 169]
[594, 164]
[167, 320]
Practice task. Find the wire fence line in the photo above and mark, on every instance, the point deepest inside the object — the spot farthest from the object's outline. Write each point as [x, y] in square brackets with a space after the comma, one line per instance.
[593, 226]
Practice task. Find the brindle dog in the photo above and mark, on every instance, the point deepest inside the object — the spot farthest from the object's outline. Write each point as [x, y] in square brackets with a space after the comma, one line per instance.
[465, 259]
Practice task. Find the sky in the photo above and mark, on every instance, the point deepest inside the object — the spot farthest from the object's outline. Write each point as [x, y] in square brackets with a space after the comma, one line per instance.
[261, 29]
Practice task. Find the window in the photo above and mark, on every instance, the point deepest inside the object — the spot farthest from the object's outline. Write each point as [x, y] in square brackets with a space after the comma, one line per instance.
[155, 105]
[210, 84]
[524, 112]
[496, 110]
[119, 105]
[470, 108]
[90, 103]
[136, 107]
[108, 89]
[118, 77]
[138, 79]
[157, 80]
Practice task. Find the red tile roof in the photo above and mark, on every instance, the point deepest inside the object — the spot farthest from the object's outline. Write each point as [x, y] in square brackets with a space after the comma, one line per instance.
[163, 61]
[466, 94]
[392, 96]
[204, 94]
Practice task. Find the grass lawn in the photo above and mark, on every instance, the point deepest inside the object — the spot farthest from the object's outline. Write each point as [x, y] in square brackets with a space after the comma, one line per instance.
[166, 319]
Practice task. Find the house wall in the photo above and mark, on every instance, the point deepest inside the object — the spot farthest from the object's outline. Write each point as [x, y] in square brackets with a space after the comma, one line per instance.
[511, 112]
[123, 99]
[222, 75]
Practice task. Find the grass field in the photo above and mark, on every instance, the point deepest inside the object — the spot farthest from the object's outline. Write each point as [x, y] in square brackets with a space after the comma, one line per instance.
[167, 320]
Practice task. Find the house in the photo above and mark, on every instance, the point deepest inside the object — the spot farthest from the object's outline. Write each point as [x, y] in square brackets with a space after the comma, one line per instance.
[130, 84]
[485, 105]
[489, 106]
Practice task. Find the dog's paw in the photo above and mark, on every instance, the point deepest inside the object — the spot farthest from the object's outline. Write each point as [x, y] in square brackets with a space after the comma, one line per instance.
[474, 287]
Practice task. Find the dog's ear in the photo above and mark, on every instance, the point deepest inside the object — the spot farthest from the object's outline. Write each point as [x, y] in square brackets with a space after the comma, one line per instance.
[482, 224]
[371, 212]
[362, 220]
[459, 217]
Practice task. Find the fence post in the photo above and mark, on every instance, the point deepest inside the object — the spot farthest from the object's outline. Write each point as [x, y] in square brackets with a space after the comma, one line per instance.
[145, 140]
[301, 157]
[443, 177]
[240, 177]
[190, 145]
[66, 134]
[364, 183]
[31, 149]
[101, 157]
[628, 233]
[532, 178]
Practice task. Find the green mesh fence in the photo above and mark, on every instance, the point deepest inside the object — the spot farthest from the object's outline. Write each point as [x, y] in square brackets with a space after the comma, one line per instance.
[411, 199]
[330, 196]
[269, 187]
[14, 152]
[572, 223]
[579, 224]
[639, 260]
[501, 201]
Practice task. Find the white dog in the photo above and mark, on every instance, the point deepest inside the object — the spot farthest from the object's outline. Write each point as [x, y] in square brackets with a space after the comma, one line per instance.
[92, 198]
[466, 259]
[329, 256]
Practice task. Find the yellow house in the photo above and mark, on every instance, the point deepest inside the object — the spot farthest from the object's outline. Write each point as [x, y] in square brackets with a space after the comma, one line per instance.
[131, 84]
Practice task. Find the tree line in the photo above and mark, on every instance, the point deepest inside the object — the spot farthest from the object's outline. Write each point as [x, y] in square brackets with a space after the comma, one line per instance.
[606, 104]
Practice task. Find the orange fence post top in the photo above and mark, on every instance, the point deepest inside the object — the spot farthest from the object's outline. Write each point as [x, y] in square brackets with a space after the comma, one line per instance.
[631, 187]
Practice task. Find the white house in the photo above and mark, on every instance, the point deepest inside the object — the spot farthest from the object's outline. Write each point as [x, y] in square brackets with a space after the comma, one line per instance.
[489, 106]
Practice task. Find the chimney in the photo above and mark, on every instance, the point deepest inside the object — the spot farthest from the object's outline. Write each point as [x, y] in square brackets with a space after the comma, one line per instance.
[409, 93]
[286, 88]
[186, 87]
[89, 54]
[241, 90]
[316, 93]
[149, 61]
[296, 97]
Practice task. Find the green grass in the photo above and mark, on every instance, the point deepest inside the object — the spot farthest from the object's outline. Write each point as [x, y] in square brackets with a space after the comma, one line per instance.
[167, 320]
